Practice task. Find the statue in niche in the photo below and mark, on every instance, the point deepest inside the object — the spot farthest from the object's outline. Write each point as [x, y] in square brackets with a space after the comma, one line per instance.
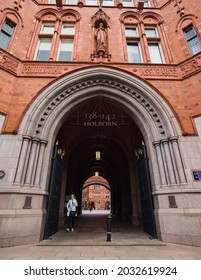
[101, 38]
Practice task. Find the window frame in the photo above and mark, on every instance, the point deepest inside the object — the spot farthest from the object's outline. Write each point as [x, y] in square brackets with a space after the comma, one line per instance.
[158, 43]
[64, 40]
[40, 40]
[134, 43]
[188, 40]
[4, 31]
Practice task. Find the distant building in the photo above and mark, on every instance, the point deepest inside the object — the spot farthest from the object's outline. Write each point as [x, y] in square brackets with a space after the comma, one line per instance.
[95, 194]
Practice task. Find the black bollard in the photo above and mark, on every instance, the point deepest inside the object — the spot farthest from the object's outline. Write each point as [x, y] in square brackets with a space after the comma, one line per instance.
[109, 227]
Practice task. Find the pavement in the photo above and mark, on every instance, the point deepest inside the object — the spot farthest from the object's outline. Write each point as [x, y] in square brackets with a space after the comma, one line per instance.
[89, 242]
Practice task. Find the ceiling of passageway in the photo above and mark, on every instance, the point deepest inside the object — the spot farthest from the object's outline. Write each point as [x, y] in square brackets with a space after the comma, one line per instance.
[98, 126]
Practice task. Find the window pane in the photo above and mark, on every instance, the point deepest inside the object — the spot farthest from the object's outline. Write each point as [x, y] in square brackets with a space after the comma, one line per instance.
[6, 33]
[128, 3]
[65, 50]
[2, 119]
[43, 51]
[47, 29]
[195, 45]
[52, 2]
[146, 3]
[4, 40]
[108, 2]
[192, 39]
[92, 2]
[190, 33]
[155, 53]
[68, 29]
[131, 32]
[133, 52]
[8, 27]
[151, 32]
[71, 2]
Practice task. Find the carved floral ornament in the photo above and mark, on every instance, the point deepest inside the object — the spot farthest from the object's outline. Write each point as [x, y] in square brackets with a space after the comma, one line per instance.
[104, 83]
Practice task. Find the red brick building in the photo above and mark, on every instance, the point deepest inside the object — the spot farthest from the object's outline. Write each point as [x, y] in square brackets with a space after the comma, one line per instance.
[96, 194]
[122, 80]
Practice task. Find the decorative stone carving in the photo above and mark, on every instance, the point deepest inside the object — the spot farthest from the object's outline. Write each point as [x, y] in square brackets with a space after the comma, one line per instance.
[8, 62]
[100, 41]
[105, 83]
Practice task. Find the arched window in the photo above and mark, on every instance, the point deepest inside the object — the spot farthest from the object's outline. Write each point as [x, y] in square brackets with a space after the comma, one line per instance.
[188, 34]
[6, 33]
[144, 38]
[56, 36]
[192, 39]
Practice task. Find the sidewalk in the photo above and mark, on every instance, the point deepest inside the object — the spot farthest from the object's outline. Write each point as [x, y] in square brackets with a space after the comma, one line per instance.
[88, 241]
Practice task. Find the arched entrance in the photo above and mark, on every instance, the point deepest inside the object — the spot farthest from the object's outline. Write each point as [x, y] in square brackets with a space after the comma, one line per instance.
[104, 109]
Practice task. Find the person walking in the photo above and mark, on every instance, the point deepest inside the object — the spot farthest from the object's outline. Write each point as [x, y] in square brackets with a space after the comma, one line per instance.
[71, 212]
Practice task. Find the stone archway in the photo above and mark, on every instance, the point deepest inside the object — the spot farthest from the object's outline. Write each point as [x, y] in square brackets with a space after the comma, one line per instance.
[147, 108]
[141, 102]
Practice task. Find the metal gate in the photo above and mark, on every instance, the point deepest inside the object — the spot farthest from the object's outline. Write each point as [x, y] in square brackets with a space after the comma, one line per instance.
[147, 206]
[54, 195]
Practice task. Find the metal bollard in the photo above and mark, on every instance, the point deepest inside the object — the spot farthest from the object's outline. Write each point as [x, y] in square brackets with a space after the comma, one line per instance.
[109, 227]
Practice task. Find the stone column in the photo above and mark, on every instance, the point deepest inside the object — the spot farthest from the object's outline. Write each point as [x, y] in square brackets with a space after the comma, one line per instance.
[180, 168]
[160, 163]
[37, 177]
[22, 159]
[170, 169]
[31, 162]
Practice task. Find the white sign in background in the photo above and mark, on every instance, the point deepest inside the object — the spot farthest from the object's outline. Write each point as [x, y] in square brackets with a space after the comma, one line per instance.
[100, 269]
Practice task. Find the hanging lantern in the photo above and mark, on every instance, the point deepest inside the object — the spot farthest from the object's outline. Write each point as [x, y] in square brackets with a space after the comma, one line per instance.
[97, 155]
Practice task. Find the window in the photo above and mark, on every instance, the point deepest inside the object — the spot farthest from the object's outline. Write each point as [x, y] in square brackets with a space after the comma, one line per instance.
[155, 53]
[192, 39]
[108, 2]
[43, 49]
[131, 31]
[45, 42]
[71, 2]
[127, 3]
[151, 32]
[133, 52]
[68, 29]
[6, 34]
[92, 2]
[2, 119]
[146, 4]
[66, 42]
[133, 45]
[197, 121]
[52, 1]
[65, 50]
[153, 41]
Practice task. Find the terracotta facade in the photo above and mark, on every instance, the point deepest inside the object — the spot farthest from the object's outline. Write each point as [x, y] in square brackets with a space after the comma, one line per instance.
[160, 100]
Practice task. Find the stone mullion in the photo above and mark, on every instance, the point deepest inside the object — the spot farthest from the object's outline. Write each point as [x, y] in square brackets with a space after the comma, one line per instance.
[37, 177]
[31, 161]
[22, 159]
[179, 165]
[170, 170]
[55, 41]
[165, 46]
[144, 42]
[163, 178]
